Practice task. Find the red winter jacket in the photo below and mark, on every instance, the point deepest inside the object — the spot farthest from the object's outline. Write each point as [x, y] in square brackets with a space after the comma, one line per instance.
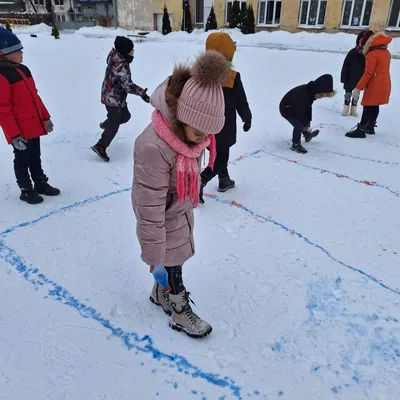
[22, 111]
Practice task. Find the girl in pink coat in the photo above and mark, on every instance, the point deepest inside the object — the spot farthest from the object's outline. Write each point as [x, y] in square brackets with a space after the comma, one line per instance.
[189, 111]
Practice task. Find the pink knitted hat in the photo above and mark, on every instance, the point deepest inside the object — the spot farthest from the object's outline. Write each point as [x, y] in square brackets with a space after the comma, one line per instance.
[201, 103]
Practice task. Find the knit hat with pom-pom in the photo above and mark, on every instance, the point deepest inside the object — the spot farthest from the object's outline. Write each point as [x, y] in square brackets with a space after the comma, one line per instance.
[201, 103]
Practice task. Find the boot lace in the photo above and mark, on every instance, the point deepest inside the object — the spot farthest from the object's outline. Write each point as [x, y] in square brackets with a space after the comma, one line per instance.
[186, 308]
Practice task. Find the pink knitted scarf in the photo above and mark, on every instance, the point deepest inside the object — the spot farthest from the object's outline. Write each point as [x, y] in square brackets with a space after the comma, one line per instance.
[187, 168]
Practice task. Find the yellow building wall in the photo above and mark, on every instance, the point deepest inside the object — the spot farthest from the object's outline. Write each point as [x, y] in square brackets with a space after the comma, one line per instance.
[380, 12]
[139, 14]
[333, 14]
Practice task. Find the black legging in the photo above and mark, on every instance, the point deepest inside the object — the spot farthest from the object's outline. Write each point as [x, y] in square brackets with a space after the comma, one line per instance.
[175, 279]
[369, 115]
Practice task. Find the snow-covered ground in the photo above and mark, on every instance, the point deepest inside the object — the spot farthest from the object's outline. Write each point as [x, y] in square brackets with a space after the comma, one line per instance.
[297, 269]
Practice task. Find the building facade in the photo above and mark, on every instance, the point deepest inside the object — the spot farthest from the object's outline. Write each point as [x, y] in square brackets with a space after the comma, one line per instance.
[289, 15]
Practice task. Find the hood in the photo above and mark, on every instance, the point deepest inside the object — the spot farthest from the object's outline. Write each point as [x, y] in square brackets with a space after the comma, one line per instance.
[379, 40]
[223, 43]
[115, 58]
[323, 84]
[157, 100]
[359, 37]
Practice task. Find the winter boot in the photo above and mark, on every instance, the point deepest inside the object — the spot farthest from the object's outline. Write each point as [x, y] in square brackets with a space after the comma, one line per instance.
[101, 152]
[357, 132]
[201, 198]
[310, 135]
[30, 196]
[298, 148]
[225, 183]
[184, 319]
[346, 110]
[370, 129]
[160, 297]
[46, 189]
[353, 111]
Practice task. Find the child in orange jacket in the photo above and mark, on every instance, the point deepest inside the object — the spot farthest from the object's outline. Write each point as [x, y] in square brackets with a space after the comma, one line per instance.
[375, 82]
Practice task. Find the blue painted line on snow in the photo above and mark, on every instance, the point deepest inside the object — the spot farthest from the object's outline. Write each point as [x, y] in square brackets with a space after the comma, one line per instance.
[130, 340]
[366, 183]
[90, 200]
[396, 164]
[306, 240]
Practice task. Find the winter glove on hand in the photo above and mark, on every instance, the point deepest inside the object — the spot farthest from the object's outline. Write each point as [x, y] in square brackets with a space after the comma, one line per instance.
[145, 97]
[356, 94]
[19, 143]
[49, 126]
[247, 126]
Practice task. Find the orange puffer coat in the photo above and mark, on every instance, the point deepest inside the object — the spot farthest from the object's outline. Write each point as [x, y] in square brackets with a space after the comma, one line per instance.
[376, 81]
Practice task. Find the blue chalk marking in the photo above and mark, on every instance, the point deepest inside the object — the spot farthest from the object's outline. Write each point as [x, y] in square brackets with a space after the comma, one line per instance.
[396, 164]
[309, 242]
[281, 393]
[131, 340]
[277, 347]
[63, 209]
[326, 171]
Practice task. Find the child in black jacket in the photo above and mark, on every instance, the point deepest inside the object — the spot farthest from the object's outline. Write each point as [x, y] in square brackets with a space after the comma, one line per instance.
[296, 108]
[352, 71]
[235, 102]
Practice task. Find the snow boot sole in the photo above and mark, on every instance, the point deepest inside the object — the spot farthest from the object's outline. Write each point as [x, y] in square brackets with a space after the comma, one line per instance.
[226, 188]
[312, 135]
[98, 153]
[154, 301]
[32, 200]
[180, 328]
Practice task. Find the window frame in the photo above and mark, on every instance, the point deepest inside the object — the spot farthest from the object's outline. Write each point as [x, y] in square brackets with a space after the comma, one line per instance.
[273, 25]
[393, 28]
[195, 13]
[359, 27]
[306, 25]
[226, 8]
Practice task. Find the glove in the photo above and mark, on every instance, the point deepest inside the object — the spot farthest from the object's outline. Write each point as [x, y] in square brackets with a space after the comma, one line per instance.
[19, 143]
[247, 126]
[356, 94]
[145, 97]
[49, 126]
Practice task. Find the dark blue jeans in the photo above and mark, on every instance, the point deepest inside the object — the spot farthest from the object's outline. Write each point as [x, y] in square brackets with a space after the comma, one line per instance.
[298, 128]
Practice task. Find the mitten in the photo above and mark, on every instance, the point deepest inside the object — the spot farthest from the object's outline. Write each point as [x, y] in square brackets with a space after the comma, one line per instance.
[49, 126]
[19, 143]
[356, 94]
[247, 126]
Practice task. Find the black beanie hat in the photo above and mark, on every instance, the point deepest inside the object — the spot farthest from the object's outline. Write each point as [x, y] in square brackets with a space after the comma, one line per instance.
[123, 45]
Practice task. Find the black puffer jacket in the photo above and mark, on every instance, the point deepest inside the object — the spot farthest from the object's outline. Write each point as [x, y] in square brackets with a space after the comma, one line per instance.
[353, 66]
[297, 103]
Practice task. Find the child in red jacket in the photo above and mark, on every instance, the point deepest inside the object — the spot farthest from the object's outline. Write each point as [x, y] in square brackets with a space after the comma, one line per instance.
[23, 118]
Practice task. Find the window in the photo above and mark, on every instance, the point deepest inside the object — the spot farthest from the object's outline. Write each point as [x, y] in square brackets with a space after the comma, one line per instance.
[58, 2]
[312, 13]
[199, 12]
[229, 7]
[356, 13]
[61, 18]
[39, 2]
[394, 16]
[269, 12]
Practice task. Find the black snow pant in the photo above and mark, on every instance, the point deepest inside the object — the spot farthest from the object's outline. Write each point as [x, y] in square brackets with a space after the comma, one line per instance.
[116, 116]
[27, 165]
[220, 167]
[175, 279]
[298, 129]
[369, 115]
